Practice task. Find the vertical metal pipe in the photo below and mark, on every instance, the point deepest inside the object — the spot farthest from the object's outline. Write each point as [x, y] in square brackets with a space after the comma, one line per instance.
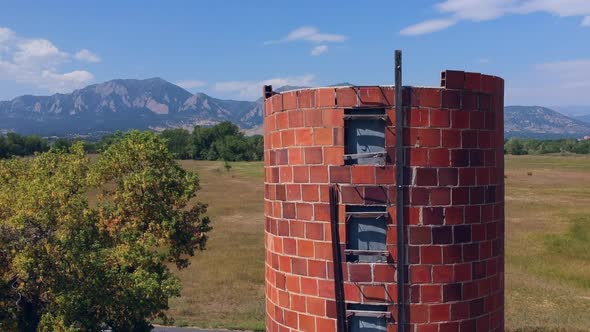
[336, 254]
[399, 160]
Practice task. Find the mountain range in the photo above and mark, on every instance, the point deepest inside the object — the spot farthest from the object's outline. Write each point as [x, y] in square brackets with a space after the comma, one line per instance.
[157, 104]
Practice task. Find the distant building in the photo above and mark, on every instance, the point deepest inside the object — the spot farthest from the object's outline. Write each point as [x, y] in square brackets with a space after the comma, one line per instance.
[586, 138]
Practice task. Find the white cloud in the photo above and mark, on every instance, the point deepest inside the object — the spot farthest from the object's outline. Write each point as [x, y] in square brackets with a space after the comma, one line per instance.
[86, 55]
[190, 84]
[320, 49]
[37, 62]
[311, 35]
[483, 10]
[427, 27]
[253, 89]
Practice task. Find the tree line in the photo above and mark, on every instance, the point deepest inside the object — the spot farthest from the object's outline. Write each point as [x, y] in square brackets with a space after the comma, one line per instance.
[223, 141]
[520, 146]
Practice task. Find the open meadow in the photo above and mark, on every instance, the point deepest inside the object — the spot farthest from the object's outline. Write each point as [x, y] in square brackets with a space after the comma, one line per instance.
[547, 247]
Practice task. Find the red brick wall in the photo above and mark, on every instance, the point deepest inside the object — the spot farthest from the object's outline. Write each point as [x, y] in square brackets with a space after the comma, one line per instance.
[453, 139]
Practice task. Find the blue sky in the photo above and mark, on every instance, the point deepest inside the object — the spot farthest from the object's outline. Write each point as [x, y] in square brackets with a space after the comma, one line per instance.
[230, 48]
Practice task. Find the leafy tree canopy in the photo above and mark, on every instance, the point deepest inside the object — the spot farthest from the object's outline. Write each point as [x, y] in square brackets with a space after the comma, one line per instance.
[67, 264]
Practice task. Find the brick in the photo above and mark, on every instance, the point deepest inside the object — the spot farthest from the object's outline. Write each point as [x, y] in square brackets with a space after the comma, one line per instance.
[442, 273]
[304, 136]
[442, 235]
[384, 175]
[321, 212]
[375, 195]
[447, 176]
[440, 313]
[440, 196]
[420, 196]
[384, 273]
[371, 96]
[469, 101]
[459, 119]
[473, 81]
[426, 97]
[316, 269]
[306, 323]
[417, 156]
[454, 215]
[420, 274]
[452, 292]
[439, 157]
[418, 117]
[306, 98]
[346, 97]
[323, 136]
[426, 177]
[313, 155]
[326, 97]
[277, 103]
[293, 192]
[312, 117]
[487, 84]
[432, 215]
[466, 176]
[304, 211]
[440, 118]
[310, 192]
[420, 235]
[363, 174]
[462, 233]
[318, 174]
[305, 248]
[333, 117]
[477, 120]
[324, 324]
[451, 138]
[459, 158]
[299, 265]
[295, 156]
[334, 155]
[453, 79]
[360, 272]
[300, 174]
[430, 255]
[452, 254]
[287, 138]
[430, 293]
[289, 100]
[451, 99]
[340, 174]
[289, 210]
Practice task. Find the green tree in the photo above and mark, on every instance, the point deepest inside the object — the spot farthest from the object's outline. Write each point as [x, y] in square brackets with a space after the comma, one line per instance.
[68, 265]
[179, 143]
[514, 146]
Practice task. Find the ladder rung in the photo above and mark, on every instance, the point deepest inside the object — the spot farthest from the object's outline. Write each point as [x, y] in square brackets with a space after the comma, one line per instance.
[365, 313]
[365, 116]
[366, 252]
[371, 214]
[365, 155]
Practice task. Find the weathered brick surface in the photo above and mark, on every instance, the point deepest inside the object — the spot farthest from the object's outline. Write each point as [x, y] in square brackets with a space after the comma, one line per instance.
[453, 140]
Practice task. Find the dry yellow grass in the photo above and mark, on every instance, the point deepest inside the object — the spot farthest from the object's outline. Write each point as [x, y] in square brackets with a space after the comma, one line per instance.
[547, 279]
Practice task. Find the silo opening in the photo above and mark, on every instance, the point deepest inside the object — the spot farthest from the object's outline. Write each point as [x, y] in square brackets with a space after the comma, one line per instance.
[364, 136]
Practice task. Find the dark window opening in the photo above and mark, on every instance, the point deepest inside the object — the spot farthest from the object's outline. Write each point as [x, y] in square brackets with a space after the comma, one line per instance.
[367, 318]
[365, 136]
[366, 228]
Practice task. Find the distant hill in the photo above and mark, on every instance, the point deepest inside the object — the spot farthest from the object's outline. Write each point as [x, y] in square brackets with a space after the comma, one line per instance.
[584, 118]
[541, 122]
[157, 104]
[122, 104]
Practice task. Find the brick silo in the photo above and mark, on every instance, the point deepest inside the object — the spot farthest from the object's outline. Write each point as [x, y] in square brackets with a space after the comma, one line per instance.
[342, 141]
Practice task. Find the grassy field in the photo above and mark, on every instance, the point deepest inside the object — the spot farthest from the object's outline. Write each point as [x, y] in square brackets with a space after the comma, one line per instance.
[547, 247]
